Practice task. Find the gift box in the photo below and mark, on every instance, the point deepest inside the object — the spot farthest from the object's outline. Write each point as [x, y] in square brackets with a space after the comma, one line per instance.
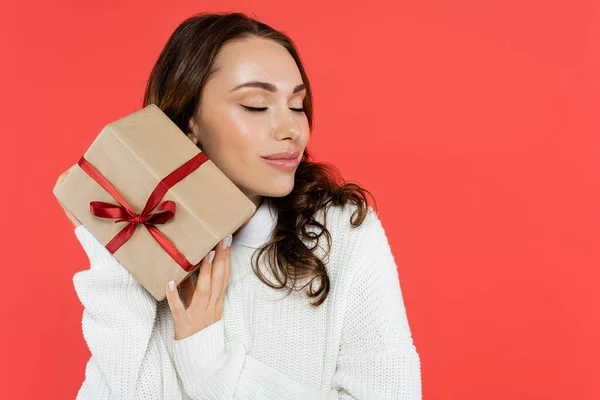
[152, 198]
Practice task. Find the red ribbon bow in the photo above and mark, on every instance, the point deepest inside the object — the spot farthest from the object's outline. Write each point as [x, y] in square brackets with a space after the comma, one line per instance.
[124, 212]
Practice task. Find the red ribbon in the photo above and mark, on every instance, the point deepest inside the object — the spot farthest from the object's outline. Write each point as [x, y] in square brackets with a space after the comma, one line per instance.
[124, 213]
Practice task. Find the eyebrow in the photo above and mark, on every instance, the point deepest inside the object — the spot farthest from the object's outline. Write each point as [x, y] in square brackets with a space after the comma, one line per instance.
[266, 86]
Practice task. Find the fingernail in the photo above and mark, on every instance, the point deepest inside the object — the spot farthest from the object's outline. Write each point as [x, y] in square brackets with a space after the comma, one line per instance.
[211, 256]
[227, 242]
[172, 285]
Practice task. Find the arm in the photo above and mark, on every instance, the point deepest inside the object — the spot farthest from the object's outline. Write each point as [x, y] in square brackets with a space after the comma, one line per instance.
[128, 358]
[377, 358]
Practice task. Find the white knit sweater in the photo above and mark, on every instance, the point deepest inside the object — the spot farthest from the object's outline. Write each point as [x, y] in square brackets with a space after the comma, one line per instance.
[356, 345]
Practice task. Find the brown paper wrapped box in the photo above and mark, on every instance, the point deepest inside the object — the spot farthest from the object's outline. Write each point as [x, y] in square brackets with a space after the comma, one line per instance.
[134, 154]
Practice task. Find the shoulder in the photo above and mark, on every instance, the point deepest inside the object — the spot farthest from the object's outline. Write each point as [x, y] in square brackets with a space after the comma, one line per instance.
[353, 246]
[341, 220]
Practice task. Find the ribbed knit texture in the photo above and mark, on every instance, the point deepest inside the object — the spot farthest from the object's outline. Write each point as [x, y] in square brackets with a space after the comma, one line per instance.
[356, 345]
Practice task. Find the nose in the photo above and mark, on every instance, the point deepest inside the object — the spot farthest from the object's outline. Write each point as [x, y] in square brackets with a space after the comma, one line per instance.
[288, 125]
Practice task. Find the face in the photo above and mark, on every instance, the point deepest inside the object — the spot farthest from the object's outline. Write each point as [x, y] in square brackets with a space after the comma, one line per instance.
[239, 123]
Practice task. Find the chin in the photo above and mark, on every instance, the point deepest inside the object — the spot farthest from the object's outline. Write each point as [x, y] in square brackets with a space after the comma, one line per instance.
[279, 188]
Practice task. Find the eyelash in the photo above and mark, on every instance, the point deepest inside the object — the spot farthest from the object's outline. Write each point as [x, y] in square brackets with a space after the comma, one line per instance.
[260, 109]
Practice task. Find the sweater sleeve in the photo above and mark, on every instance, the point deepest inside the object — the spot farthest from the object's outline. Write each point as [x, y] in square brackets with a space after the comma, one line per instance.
[128, 357]
[377, 358]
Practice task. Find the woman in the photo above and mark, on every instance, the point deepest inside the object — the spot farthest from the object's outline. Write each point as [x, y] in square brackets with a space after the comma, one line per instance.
[238, 89]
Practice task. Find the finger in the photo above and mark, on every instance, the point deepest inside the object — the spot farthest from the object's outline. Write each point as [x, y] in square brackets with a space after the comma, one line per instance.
[218, 271]
[175, 304]
[202, 290]
[216, 280]
[227, 270]
[222, 281]
[187, 289]
[221, 300]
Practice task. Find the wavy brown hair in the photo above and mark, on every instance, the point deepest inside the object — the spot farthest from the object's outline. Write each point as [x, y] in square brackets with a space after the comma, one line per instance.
[175, 86]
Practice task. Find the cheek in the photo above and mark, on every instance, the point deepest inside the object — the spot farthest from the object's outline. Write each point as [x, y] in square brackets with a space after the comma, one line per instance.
[244, 129]
[238, 140]
[246, 133]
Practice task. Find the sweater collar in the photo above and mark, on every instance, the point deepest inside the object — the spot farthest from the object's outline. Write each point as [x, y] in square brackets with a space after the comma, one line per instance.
[258, 230]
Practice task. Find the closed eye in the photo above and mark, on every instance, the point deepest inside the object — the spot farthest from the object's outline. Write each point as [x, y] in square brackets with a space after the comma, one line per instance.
[260, 109]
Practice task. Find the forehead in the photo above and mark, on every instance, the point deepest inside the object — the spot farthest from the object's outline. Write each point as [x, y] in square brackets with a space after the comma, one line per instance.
[256, 59]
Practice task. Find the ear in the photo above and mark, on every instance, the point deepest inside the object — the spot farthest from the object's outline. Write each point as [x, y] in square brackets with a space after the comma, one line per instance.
[192, 135]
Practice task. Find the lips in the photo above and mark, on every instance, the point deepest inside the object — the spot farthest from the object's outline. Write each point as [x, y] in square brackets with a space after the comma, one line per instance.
[283, 164]
[286, 155]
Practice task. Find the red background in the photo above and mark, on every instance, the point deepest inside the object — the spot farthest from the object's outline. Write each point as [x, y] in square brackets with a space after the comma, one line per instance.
[474, 123]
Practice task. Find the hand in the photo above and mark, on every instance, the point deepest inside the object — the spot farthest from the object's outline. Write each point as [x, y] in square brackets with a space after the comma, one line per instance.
[61, 178]
[205, 300]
